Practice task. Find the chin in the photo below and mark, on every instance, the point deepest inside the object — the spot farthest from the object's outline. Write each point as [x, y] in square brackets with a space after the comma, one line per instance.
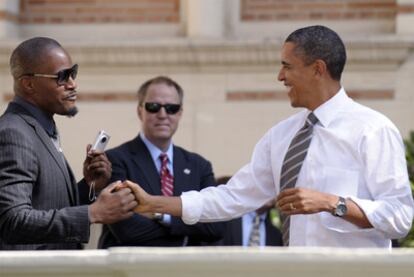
[294, 104]
[163, 136]
[70, 112]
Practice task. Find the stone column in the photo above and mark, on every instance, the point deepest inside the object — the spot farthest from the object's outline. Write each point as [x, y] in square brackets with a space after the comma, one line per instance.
[9, 25]
[205, 19]
[405, 17]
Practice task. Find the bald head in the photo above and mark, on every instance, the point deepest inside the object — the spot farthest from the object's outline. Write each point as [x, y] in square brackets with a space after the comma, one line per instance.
[31, 54]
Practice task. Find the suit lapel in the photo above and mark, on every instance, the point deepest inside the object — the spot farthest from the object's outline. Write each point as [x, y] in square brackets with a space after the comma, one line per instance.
[182, 173]
[47, 142]
[142, 158]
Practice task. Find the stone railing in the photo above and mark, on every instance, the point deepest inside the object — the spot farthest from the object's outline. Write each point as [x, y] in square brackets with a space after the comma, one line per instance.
[210, 262]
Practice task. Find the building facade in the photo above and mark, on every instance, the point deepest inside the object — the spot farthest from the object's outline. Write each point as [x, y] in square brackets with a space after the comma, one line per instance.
[225, 54]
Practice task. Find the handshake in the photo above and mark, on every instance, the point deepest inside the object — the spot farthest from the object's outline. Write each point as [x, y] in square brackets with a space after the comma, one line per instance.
[132, 188]
[119, 201]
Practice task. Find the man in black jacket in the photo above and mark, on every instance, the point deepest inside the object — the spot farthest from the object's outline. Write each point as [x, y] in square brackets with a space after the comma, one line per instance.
[161, 168]
[39, 203]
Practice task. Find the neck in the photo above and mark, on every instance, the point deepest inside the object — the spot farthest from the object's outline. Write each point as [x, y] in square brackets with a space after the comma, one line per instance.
[324, 93]
[161, 144]
[33, 103]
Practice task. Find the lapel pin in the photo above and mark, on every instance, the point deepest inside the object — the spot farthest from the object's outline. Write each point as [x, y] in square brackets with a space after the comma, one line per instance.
[186, 171]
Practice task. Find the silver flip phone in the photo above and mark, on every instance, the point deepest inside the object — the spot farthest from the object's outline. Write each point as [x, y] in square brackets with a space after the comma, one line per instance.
[101, 141]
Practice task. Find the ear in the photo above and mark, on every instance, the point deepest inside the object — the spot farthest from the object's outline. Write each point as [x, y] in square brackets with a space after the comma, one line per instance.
[320, 68]
[139, 112]
[26, 83]
[180, 113]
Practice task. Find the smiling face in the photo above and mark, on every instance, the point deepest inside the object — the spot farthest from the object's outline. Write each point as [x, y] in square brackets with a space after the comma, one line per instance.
[298, 77]
[45, 93]
[159, 127]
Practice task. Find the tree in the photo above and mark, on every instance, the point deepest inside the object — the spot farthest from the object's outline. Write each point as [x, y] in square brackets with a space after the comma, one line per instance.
[409, 153]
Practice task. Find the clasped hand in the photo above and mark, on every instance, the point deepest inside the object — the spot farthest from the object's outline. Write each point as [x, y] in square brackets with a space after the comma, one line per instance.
[141, 196]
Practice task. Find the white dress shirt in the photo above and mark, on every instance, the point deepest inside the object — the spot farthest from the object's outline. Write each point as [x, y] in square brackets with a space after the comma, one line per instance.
[355, 152]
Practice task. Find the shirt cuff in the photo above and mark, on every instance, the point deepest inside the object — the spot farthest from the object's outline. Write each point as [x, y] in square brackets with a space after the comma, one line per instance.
[368, 207]
[192, 206]
[341, 225]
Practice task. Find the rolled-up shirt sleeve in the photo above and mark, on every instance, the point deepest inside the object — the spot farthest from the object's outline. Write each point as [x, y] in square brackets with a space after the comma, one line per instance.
[192, 206]
[391, 208]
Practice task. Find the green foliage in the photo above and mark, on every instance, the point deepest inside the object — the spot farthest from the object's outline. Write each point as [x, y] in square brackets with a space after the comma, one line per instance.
[409, 153]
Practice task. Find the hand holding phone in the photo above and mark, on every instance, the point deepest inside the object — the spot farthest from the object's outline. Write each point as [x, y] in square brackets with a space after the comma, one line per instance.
[101, 141]
[99, 145]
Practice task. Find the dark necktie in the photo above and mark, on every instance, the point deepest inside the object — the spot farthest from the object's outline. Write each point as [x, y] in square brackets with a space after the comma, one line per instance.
[167, 180]
[292, 164]
[56, 140]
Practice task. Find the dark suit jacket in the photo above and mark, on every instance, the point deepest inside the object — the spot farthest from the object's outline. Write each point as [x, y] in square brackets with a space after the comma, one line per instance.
[233, 233]
[38, 193]
[133, 161]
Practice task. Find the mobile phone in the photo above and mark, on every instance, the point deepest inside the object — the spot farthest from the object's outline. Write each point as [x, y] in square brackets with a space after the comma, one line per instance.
[101, 141]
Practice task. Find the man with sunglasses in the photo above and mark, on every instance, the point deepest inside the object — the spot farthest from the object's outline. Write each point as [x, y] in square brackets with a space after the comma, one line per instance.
[39, 203]
[161, 168]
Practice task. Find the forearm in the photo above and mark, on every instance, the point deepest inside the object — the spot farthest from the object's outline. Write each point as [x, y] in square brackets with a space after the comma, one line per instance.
[306, 201]
[69, 224]
[165, 205]
[356, 215]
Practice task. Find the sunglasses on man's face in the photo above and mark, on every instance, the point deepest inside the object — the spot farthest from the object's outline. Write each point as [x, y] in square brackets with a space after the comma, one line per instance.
[62, 77]
[153, 107]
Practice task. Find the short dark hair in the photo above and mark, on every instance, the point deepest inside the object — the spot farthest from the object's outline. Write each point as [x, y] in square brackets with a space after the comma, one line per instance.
[30, 54]
[319, 42]
[142, 91]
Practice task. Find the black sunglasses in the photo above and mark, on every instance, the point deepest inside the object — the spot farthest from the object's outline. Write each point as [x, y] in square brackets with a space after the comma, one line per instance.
[153, 107]
[62, 77]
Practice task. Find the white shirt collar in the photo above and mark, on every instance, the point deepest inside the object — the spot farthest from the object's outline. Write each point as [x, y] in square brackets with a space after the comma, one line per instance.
[328, 110]
[155, 151]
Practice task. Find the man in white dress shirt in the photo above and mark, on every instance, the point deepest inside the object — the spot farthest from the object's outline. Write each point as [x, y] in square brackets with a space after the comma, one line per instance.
[352, 189]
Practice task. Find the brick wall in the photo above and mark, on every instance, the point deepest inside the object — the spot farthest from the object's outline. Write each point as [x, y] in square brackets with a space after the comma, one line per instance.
[7, 16]
[99, 11]
[272, 10]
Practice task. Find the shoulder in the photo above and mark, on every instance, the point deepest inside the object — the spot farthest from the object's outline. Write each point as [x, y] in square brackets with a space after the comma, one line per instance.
[10, 120]
[189, 156]
[122, 150]
[368, 120]
[13, 126]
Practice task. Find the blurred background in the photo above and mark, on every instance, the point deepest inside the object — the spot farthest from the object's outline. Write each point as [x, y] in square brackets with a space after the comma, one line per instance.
[224, 53]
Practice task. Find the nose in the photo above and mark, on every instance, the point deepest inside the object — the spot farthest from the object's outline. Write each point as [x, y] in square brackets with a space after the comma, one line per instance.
[162, 113]
[281, 75]
[71, 84]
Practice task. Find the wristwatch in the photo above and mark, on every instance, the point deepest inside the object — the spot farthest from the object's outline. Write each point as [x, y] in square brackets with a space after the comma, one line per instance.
[158, 216]
[340, 209]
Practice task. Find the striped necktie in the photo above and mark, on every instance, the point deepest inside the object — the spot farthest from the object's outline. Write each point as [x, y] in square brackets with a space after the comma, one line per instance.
[167, 180]
[292, 164]
[254, 238]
